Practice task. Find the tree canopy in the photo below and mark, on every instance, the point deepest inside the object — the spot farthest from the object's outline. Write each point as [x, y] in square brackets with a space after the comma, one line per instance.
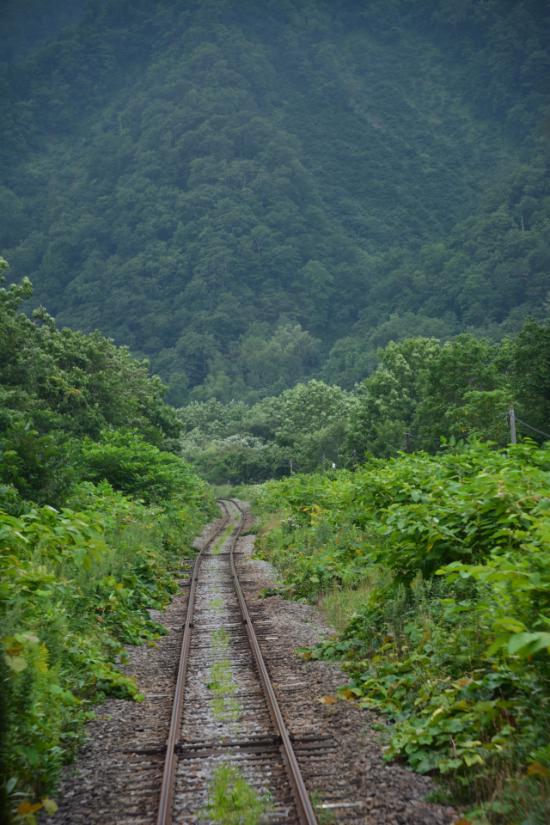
[253, 194]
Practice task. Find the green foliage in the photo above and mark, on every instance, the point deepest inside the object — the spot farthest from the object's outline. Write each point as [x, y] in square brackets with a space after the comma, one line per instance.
[139, 469]
[57, 386]
[303, 428]
[81, 564]
[78, 383]
[530, 371]
[232, 800]
[424, 390]
[233, 459]
[423, 394]
[307, 421]
[40, 467]
[451, 635]
[389, 397]
[250, 192]
[77, 584]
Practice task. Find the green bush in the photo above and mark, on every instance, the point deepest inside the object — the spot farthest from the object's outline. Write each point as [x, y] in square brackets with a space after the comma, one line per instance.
[138, 468]
[76, 585]
[452, 638]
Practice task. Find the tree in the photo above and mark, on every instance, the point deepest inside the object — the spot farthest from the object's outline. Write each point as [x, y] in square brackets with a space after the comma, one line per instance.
[388, 399]
[57, 386]
[530, 376]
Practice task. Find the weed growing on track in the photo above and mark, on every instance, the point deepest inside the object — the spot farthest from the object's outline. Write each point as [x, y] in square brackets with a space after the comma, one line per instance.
[218, 546]
[226, 709]
[220, 639]
[222, 686]
[232, 800]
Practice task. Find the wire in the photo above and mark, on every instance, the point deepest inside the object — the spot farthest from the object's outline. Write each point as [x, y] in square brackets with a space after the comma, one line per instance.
[535, 430]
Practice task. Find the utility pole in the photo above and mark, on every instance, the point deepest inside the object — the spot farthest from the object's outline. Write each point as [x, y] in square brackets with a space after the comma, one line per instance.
[512, 423]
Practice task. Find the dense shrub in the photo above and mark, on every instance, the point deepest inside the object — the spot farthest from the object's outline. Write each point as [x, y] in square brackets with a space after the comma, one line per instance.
[137, 468]
[451, 557]
[77, 584]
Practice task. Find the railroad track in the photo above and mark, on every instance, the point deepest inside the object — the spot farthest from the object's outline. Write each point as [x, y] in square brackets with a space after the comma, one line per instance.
[225, 712]
[221, 717]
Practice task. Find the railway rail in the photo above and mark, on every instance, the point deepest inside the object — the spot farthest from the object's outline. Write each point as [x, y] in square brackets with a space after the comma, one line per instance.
[222, 719]
[225, 710]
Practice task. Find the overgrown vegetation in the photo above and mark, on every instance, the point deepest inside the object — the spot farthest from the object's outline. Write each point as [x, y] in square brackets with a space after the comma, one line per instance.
[95, 520]
[446, 562]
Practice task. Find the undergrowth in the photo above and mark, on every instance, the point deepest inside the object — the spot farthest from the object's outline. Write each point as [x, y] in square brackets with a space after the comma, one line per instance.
[436, 570]
[77, 585]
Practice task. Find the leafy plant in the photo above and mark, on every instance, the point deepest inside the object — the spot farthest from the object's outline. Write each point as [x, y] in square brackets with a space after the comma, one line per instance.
[447, 561]
[75, 586]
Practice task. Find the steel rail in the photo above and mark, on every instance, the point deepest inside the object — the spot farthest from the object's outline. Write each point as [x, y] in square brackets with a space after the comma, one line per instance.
[304, 807]
[170, 760]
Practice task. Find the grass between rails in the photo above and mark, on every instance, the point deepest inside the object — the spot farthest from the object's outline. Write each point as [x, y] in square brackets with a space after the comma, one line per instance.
[218, 546]
[223, 687]
[436, 573]
[220, 639]
[221, 683]
[232, 800]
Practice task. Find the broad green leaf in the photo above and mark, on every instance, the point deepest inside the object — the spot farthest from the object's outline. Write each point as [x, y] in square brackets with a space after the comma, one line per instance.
[472, 759]
[528, 643]
[16, 663]
[510, 623]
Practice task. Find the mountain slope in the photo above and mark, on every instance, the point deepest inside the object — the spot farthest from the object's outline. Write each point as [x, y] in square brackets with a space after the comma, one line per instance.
[250, 192]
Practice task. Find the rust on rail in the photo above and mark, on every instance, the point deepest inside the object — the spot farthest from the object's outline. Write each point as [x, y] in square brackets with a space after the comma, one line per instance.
[170, 761]
[303, 803]
[281, 739]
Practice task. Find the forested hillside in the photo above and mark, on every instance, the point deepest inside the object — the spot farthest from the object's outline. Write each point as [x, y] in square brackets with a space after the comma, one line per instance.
[253, 193]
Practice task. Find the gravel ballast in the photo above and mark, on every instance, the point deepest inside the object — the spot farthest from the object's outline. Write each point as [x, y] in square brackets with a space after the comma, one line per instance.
[116, 777]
